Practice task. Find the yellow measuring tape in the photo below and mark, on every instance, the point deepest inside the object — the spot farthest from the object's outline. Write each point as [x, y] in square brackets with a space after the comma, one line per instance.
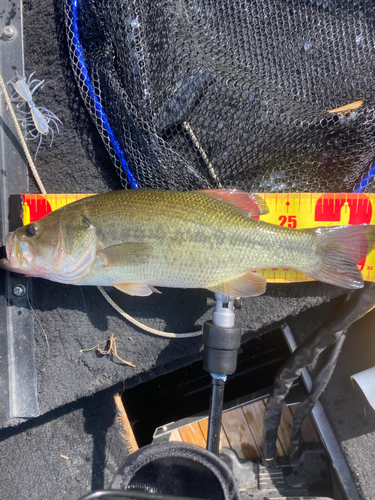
[295, 210]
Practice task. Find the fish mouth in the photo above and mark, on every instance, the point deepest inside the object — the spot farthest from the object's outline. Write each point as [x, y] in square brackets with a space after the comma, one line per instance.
[19, 255]
[55, 265]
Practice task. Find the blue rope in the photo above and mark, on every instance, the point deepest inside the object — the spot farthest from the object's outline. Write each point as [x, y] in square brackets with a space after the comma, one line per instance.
[365, 181]
[94, 98]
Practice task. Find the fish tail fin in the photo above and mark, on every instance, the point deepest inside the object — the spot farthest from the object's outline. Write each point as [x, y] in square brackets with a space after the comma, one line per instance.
[341, 248]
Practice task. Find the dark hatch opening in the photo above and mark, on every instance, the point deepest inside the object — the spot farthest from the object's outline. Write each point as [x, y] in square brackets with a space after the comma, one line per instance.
[186, 391]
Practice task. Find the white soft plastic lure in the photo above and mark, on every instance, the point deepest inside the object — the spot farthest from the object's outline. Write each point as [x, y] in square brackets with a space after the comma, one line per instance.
[38, 120]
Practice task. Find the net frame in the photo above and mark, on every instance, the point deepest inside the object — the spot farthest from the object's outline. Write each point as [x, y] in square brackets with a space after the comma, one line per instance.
[200, 94]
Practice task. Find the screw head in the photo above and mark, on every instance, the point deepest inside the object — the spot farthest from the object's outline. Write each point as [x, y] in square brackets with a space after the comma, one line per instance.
[19, 290]
[9, 32]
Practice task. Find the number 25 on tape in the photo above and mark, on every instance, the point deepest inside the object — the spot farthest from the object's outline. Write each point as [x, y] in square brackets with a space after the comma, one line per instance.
[291, 220]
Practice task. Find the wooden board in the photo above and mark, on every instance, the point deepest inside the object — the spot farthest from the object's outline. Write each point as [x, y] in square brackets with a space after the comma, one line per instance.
[224, 443]
[124, 425]
[254, 414]
[192, 433]
[239, 435]
[242, 430]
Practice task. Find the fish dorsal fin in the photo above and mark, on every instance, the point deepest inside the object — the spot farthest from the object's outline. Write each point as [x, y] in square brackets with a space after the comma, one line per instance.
[252, 204]
[138, 289]
[249, 285]
[125, 254]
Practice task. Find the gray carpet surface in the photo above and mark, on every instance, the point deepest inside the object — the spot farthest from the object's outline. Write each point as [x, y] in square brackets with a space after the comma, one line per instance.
[73, 321]
[64, 454]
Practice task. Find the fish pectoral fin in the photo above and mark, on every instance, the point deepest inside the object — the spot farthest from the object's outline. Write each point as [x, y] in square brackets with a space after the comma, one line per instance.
[139, 289]
[125, 254]
[251, 204]
[249, 285]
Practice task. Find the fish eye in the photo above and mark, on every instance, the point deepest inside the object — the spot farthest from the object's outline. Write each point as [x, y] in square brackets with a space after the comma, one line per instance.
[31, 230]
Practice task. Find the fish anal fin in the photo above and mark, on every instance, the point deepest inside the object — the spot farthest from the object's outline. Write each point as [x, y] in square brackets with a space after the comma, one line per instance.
[252, 204]
[138, 289]
[249, 285]
[125, 254]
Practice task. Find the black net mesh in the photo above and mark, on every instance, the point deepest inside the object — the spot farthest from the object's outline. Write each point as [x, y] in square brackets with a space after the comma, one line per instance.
[191, 94]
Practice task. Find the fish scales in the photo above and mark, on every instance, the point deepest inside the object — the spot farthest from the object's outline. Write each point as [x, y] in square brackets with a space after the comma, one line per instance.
[197, 240]
[139, 239]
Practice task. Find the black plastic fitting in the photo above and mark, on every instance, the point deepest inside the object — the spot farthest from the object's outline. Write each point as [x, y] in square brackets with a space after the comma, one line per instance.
[221, 346]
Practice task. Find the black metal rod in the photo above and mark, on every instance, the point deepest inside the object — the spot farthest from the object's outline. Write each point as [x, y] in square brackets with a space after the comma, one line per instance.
[215, 414]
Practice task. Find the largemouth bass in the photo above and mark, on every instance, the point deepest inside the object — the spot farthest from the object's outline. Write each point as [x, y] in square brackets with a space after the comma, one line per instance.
[140, 239]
